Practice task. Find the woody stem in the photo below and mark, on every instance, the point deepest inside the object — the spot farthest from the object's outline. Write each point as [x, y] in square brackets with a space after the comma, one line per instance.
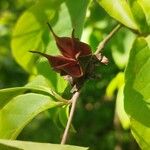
[107, 38]
[73, 106]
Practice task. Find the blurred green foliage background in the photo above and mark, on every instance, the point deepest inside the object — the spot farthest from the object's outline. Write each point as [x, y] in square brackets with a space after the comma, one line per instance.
[96, 119]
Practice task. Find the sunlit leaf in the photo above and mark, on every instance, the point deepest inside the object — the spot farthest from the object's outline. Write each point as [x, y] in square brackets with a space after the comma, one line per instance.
[20, 111]
[38, 85]
[27, 37]
[146, 8]
[30, 31]
[123, 117]
[22, 145]
[34, 35]
[141, 134]
[137, 87]
[120, 10]
[115, 84]
[139, 16]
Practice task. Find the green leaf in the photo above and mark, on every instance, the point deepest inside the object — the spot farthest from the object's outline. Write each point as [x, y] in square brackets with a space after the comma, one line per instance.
[123, 117]
[115, 84]
[146, 8]
[22, 145]
[77, 11]
[137, 86]
[141, 134]
[39, 84]
[56, 81]
[7, 94]
[134, 14]
[119, 10]
[29, 33]
[139, 16]
[20, 111]
[42, 85]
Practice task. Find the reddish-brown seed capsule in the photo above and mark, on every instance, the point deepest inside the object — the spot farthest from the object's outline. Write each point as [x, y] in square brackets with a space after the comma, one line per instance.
[71, 49]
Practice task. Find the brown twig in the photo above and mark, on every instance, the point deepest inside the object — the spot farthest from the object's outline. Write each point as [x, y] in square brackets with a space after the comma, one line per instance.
[73, 105]
[107, 38]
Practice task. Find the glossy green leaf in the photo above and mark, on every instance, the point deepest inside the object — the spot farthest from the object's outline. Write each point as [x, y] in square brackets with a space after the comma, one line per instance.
[146, 8]
[139, 16]
[39, 84]
[119, 10]
[20, 111]
[22, 145]
[137, 86]
[141, 134]
[134, 14]
[7, 94]
[29, 31]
